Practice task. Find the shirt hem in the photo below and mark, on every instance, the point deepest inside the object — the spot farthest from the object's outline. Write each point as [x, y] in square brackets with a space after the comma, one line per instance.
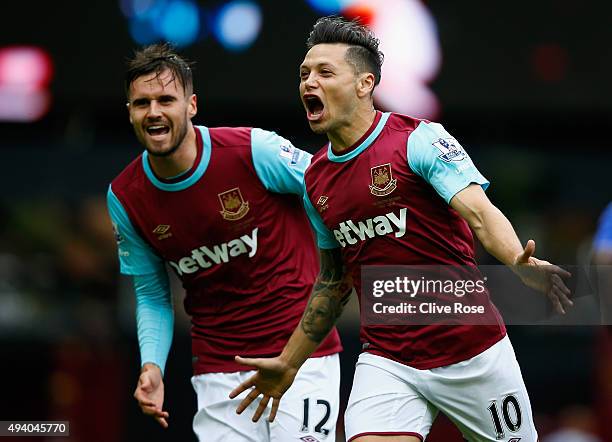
[441, 362]
[233, 367]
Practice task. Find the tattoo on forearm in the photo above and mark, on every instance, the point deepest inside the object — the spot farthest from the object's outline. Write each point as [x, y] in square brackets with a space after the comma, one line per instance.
[330, 294]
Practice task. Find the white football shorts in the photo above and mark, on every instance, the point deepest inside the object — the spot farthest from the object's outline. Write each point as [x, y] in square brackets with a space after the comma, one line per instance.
[484, 396]
[308, 410]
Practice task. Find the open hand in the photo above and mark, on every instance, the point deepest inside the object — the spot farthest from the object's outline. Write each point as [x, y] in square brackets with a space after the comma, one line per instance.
[272, 380]
[150, 394]
[544, 277]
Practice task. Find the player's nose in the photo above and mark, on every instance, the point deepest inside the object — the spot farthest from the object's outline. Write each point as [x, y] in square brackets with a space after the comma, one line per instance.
[154, 109]
[310, 82]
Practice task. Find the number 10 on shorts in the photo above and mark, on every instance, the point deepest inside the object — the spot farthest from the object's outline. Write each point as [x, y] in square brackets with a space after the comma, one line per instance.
[512, 420]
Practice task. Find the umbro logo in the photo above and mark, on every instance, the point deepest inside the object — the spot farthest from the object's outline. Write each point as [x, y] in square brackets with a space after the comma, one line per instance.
[162, 231]
[322, 203]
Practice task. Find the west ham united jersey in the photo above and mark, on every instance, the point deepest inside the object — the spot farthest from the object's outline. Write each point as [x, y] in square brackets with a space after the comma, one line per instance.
[234, 231]
[385, 202]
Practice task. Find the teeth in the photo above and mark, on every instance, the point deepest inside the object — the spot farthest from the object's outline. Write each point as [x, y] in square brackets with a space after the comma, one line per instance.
[156, 127]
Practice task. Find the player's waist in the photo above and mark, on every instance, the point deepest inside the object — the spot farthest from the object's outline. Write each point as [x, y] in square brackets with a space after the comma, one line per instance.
[209, 357]
[249, 324]
[427, 347]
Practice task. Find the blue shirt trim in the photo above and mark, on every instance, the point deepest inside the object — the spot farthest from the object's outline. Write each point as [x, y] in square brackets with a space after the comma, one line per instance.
[135, 256]
[325, 238]
[154, 317]
[363, 146]
[193, 178]
[279, 165]
[447, 177]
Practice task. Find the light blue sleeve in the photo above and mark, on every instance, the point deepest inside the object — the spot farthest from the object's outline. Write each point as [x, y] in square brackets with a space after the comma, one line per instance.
[440, 160]
[279, 165]
[603, 236]
[154, 317]
[325, 238]
[135, 256]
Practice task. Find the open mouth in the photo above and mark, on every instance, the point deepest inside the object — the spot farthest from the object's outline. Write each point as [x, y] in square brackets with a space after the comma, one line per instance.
[158, 130]
[314, 107]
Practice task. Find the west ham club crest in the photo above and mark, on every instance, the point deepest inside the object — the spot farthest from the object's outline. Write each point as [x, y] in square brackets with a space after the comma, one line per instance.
[233, 205]
[383, 182]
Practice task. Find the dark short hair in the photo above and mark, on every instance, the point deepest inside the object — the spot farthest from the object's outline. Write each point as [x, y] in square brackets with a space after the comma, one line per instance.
[363, 52]
[156, 58]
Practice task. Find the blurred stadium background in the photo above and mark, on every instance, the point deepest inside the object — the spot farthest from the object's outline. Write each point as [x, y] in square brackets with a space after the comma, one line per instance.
[523, 85]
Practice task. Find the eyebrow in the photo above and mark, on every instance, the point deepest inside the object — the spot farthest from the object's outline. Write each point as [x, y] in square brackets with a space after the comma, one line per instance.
[142, 100]
[318, 65]
[139, 100]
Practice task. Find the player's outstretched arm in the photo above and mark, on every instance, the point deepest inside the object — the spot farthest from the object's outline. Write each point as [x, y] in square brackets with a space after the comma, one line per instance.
[150, 393]
[274, 376]
[499, 239]
[155, 321]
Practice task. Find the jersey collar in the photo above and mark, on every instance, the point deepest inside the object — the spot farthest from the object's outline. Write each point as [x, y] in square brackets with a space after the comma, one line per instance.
[362, 146]
[203, 137]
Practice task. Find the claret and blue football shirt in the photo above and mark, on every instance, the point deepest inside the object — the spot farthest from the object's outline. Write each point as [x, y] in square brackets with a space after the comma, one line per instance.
[234, 231]
[385, 201]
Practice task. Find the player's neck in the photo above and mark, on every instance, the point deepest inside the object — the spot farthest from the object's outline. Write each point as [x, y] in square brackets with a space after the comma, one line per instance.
[180, 161]
[345, 136]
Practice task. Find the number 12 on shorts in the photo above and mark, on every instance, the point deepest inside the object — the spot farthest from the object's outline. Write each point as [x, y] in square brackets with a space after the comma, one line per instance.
[318, 427]
[512, 421]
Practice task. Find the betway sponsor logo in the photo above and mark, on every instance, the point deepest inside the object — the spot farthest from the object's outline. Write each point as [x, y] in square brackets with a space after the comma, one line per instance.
[350, 233]
[205, 257]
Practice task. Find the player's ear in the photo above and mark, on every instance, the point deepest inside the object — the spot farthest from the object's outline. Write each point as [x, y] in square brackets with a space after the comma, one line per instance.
[127, 105]
[365, 84]
[193, 105]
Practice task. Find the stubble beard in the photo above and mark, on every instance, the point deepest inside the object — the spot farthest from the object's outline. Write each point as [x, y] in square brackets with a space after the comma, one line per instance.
[173, 148]
[319, 129]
